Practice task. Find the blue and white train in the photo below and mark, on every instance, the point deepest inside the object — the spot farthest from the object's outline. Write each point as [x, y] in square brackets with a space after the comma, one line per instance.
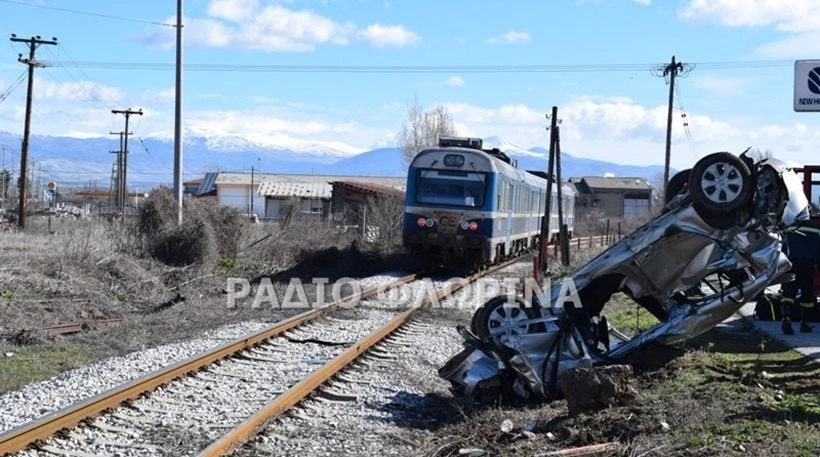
[466, 204]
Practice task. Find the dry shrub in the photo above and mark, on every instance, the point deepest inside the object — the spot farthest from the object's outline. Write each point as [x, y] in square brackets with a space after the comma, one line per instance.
[208, 233]
[270, 248]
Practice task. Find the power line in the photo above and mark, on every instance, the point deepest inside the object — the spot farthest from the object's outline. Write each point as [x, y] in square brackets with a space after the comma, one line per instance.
[102, 93]
[88, 13]
[13, 86]
[570, 68]
[685, 118]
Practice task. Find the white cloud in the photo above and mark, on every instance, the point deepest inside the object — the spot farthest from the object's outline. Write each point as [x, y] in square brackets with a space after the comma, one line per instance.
[272, 28]
[388, 35]
[454, 81]
[643, 2]
[49, 90]
[510, 37]
[232, 10]
[798, 19]
[792, 16]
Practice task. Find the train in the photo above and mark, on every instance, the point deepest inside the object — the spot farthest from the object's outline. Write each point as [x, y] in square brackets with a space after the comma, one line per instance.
[474, 206]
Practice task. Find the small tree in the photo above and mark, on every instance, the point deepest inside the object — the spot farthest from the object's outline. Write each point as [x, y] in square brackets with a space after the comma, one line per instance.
[384, 219]
[422, 129]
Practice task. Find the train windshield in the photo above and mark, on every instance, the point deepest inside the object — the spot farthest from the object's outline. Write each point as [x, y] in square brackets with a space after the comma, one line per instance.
[450, 187]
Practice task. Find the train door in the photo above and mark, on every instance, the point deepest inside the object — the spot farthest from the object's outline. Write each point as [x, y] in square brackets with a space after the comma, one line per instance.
[511, 195]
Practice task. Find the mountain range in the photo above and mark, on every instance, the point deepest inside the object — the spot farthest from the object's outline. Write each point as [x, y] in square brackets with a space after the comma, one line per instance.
[150, 160]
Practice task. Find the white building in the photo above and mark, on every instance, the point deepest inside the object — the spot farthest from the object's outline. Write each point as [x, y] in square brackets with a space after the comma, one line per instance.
[266, 194]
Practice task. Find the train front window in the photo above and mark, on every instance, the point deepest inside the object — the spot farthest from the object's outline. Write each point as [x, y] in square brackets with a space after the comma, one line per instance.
[454, 188]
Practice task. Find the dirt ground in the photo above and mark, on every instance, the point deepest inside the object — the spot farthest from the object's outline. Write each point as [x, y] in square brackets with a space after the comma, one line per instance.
[729, 392]
[87, 271]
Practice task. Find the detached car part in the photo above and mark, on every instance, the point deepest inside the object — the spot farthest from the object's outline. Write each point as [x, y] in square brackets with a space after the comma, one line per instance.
[716, 245]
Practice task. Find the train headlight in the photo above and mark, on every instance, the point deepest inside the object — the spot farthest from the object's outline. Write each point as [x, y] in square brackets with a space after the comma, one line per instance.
[422, 222]
[474, 226]
[465, 225]
[430, 222]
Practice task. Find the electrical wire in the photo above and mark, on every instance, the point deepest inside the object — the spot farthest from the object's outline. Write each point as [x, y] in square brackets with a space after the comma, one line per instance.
[14, 85]
[259, 68]
[88, 13]
[685, 119]
[102, 93]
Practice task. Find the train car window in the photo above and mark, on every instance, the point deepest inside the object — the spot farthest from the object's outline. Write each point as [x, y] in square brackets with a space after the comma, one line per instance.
[452, 188]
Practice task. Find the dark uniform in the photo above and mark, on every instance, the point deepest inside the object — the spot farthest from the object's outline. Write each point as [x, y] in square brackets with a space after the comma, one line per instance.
[803, 243]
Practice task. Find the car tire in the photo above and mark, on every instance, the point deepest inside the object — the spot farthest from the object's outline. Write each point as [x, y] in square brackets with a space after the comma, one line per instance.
[676, 183]
[493, 314]
[721, 186]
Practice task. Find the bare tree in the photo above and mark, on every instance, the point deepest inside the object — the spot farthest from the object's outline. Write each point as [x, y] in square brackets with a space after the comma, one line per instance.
[422, 129]
[385, 215]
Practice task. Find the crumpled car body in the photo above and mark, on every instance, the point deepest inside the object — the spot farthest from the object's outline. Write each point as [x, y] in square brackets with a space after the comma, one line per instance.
[715, 246]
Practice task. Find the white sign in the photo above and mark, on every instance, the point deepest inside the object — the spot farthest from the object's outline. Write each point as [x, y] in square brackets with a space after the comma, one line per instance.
[807, 85]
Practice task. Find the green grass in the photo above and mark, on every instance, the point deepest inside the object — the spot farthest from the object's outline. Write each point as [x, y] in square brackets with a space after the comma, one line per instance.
[34, 363]
[626, 316]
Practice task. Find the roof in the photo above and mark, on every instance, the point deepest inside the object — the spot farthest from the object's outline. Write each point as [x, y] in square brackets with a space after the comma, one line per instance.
[245, 179]
[193, 181]
[208, 184]
[370, 188]
[292, 189]
[588, 184]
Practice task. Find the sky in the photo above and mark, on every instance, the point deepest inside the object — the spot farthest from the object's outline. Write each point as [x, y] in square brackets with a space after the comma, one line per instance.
[738, 55]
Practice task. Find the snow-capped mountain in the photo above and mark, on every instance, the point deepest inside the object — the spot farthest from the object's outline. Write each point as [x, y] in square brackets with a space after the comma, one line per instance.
[508, 148]
[150, 159]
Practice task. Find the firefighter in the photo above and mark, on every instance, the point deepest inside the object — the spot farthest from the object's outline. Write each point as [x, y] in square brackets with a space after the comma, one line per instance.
[803, 241]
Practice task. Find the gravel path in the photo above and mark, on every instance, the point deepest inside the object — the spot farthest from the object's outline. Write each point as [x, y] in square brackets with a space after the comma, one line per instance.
[399, 398]
[38, 399]
[185, 416]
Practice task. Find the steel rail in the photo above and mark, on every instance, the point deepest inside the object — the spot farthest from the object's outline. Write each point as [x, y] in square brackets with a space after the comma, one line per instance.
[21, 437]
[291, 397]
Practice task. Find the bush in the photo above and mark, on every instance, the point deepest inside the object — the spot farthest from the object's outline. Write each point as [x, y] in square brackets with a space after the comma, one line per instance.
[208, 233]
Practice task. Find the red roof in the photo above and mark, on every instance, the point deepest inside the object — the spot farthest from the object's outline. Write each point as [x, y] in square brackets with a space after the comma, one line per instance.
[370, 188]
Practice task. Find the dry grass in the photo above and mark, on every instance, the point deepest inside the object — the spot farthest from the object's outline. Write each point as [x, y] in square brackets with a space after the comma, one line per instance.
[164, 282]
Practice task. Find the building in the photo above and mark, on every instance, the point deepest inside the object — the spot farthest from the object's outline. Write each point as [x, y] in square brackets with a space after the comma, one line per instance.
[611, 197]
[274, 195]
[351, 198]
[190, 186]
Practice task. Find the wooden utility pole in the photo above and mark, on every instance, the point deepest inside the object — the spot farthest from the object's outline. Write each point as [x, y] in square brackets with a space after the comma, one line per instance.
[178, 140]
[33, 43]
[124, 177]
[671, 70]
[545, 223]
[119, 199]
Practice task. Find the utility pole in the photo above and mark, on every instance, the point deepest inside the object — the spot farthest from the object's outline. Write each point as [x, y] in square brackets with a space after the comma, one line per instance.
[672, 70]
[33, 43]
[124, 196]
[545, 223]
[178, 139]
[120, 189]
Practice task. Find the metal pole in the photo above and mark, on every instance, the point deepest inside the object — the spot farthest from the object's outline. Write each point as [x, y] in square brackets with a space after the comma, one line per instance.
[178, 138]
[251, 211]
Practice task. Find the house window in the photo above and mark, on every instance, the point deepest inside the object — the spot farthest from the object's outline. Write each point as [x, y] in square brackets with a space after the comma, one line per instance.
[635, 207]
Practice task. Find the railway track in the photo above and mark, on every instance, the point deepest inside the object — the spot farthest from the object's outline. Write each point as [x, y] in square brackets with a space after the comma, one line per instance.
[192, 404]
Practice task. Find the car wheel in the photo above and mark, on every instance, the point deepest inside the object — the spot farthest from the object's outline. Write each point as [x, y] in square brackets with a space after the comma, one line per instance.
[676, 183]
[721, 186]
[720, 183]
[498, 320]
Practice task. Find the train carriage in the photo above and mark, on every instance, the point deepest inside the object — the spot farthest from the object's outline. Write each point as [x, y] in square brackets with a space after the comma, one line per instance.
[466, 204]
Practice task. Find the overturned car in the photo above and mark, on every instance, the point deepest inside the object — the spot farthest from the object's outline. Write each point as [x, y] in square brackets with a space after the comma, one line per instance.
[716, 244]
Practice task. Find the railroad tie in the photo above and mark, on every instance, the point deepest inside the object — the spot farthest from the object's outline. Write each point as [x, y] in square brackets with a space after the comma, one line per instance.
[63, 452]
[336, 396]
